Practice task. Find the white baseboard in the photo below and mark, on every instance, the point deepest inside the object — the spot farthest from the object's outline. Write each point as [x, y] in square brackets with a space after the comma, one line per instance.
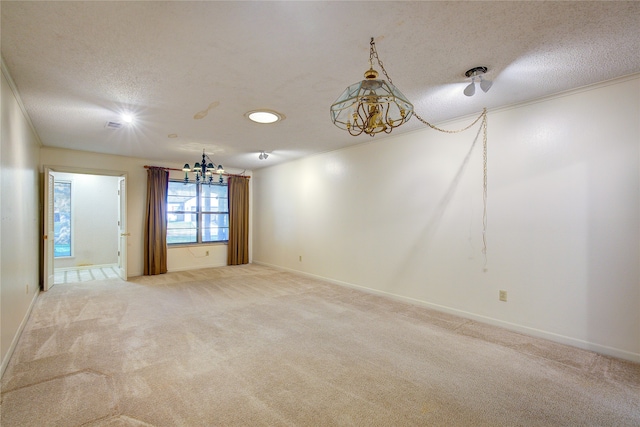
[574, 342]
[195, 267]
[16, 338]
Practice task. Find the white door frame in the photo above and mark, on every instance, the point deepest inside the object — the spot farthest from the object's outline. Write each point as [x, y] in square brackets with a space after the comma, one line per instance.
[48, 264]
[47, 244]
[123, 234]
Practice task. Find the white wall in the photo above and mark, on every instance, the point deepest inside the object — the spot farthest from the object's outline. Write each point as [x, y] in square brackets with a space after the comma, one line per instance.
[563, 218]
[20, 229]
[183, 258]
[94, 211]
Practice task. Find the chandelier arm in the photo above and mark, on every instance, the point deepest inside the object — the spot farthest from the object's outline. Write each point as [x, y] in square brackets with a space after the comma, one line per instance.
[362, 118]
[355, 125]
[355, 134]
[400, 122]
[388, 129]
[211, 161]
[387, 121]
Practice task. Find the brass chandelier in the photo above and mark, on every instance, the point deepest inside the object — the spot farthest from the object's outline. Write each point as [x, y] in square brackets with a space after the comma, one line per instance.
[371, 106]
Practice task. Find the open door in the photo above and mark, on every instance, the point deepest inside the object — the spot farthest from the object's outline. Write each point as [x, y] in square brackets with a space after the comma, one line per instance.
[122, 228]
[49, 232]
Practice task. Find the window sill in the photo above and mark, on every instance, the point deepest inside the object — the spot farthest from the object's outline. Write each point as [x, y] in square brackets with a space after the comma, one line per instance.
[190, 245]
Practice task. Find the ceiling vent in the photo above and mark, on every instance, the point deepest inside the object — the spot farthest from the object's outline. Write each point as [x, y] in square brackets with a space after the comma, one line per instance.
[113, 125]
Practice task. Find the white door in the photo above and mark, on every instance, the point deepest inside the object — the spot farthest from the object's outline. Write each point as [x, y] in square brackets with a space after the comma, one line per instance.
[122, 228]
[49, 232]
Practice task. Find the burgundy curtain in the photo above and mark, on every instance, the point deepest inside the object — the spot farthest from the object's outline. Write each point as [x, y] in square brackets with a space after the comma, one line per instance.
[155, 222]
[238, 248]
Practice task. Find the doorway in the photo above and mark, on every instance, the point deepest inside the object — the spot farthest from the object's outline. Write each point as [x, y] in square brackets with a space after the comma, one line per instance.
[85, 226]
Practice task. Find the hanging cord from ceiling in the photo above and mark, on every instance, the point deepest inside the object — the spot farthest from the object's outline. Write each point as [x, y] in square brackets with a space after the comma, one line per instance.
[482, 118]
[483, 124]
[484, 187]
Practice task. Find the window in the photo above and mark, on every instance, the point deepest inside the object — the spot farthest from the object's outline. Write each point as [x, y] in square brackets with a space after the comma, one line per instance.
[197, 213]
[61, 219]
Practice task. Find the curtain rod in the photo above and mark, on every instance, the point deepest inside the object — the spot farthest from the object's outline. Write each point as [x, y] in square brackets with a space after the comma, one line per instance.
[174, 169]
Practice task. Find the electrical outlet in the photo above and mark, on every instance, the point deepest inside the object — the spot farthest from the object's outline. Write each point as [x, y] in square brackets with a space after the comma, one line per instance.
[300, 258]
[503, 296]
[206, 253]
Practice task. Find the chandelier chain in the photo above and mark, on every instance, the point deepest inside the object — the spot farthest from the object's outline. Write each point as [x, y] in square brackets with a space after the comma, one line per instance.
[373, 53]
[483, 116]
[484, 187]
[483, 125]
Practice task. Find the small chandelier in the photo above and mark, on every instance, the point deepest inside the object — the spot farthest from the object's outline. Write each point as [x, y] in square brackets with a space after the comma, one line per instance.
[203, 171]
[371, 105]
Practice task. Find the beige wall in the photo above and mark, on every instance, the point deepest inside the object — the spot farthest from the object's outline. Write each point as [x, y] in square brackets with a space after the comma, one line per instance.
[403, 216]
[20, 228]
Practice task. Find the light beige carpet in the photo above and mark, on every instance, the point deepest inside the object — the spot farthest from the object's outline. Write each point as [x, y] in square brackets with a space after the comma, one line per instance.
[253, 346]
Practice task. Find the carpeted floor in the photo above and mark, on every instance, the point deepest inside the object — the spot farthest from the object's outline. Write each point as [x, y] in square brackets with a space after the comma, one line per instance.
[254, 346]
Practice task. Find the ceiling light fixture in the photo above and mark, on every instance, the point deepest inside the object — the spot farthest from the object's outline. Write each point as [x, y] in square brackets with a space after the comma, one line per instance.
[263, 155]
[371, 105]
[264, 116]
[203, 171]
[477, 72]
[127, 118]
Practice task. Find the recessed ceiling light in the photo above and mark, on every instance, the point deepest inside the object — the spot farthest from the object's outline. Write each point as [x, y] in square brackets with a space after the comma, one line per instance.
[127, 118]
[264, 116]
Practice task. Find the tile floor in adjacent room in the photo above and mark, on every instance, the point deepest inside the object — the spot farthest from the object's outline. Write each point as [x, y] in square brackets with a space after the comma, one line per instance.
[85, 274]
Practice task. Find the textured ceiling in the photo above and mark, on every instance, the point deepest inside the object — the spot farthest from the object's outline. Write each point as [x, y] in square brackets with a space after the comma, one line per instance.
[193, 69]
